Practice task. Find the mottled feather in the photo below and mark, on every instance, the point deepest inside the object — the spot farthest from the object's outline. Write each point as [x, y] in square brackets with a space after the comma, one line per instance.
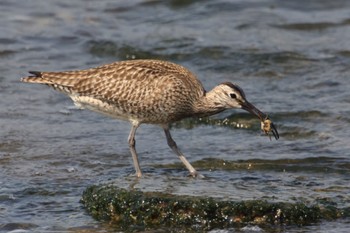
[150, 91]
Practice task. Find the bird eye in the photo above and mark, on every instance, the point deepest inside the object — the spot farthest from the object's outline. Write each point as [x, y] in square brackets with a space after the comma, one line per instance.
[233, 95]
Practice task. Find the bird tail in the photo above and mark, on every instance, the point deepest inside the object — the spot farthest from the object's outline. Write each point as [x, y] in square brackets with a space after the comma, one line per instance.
[36, 77]
[58, 80]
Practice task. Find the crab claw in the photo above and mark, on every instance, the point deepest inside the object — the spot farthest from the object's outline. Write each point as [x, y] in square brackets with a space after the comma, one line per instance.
[274, 131]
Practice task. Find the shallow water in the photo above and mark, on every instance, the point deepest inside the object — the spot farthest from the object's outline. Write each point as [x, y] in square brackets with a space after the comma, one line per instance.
[291, 58]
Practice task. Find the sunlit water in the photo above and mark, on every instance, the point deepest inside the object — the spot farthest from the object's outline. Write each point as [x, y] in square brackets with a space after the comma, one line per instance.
[291, 58]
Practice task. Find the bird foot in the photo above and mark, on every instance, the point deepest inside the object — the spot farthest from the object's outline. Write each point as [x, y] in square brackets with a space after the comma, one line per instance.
[196, 175]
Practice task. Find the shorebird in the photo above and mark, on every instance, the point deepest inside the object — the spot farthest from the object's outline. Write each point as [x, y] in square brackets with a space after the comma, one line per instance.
[148, 92]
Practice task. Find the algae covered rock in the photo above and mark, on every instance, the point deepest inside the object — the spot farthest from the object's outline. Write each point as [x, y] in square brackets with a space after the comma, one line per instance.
[127, 208]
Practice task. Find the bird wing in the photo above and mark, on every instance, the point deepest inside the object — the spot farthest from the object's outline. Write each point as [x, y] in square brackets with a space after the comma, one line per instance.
[131, 80]
[119, 81]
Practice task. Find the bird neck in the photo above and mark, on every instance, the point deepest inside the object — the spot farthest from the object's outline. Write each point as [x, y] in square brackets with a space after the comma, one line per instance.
[208, 105]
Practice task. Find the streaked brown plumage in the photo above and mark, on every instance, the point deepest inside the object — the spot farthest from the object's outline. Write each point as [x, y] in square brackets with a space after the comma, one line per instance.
[146, 91]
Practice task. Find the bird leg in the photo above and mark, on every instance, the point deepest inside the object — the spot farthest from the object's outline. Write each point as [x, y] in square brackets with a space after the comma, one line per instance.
[173, 146]
[132, 142]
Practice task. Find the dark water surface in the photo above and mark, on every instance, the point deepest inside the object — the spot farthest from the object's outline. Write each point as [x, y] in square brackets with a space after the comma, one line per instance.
[292, 58]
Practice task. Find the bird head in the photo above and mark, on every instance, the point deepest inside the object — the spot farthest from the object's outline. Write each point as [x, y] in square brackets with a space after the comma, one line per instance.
[232, 96]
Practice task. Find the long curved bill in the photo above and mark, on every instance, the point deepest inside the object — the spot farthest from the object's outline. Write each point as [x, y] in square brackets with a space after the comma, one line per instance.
[267, 123]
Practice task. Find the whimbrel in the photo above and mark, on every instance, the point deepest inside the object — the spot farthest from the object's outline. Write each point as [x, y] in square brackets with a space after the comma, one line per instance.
[147, 91]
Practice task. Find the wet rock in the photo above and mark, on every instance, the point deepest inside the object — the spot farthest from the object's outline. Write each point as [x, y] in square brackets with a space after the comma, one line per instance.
[126, 208]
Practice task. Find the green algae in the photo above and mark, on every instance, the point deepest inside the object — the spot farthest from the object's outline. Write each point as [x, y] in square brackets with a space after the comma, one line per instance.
[305, 165]
[146, 210]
